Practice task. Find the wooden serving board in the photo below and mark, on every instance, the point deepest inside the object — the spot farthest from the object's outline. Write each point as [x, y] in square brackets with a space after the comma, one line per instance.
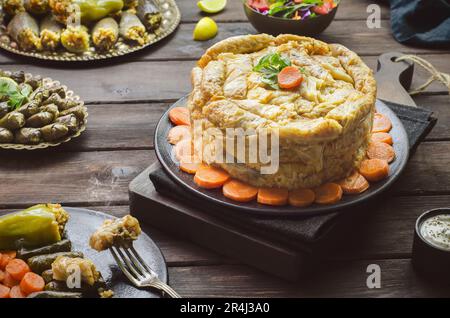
[286, 260]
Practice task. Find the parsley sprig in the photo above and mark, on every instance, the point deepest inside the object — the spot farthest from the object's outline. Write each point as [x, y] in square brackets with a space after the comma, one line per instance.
[270, 65]
[15, 94]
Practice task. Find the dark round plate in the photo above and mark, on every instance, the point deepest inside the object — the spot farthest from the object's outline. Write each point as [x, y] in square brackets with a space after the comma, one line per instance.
[80, 227]
[170, 164]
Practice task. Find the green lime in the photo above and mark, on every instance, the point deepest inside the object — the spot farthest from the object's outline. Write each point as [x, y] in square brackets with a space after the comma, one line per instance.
[205, 29]
[212, 6]
[8, 83]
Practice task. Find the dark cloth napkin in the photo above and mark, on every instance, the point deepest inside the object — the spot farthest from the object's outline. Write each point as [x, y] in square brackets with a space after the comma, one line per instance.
[302, 230]
[421, 22]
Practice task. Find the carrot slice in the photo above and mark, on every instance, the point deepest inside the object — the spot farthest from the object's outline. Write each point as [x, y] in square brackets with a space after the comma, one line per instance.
[328, 193]
[17, 268]
[354, 184]
[15, 292]
[32, 283]
[4, 260]
[209, 177]
[382, 137]
[374, 169]
[9, 281]
[180, 116]
[11, 254]
[381, 123]
[301, 197]
[239, 191]
[4, 291]
[179, 133]
[380, 150]
[289, 77]
[273, 196]
[184, 148]
[189, 164]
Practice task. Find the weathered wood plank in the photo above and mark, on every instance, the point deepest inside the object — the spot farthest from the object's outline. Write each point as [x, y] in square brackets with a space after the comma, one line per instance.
[159, 80]
[348, 10]
[103, 177]
[440, 105]
[359, 38]
[345, 279]
[70, 177]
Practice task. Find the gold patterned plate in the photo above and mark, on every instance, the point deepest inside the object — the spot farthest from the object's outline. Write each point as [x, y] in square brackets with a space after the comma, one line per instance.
[171, 19]
[70, 95]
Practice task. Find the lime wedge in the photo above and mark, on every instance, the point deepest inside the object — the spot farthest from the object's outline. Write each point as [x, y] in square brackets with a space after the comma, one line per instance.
[212, 6]
[205, 29]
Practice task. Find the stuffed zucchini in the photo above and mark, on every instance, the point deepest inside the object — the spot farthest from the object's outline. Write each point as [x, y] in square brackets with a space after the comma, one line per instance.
[132, 29]
[105, 34]
[75, 39]
[50, 33]
[24, 29]
[149, 14]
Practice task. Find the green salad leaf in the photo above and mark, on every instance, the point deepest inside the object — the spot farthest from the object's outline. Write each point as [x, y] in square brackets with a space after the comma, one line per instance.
[15, 94]
[270, 65]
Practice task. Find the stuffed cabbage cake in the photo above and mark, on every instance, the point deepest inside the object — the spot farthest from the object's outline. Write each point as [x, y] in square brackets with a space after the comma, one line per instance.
[323, 125]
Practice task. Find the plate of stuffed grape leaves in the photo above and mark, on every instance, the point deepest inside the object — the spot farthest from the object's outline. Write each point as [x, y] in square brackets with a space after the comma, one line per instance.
[37, 113]
[49, 251]
[83, 30]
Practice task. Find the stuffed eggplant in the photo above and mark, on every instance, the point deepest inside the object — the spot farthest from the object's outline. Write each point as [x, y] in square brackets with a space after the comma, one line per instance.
[24, 29]
[54, 132]
[50, 33]
[149, 14]
[6, 136]
[132, 29]
[38, 225]
[115, 232]
[28, 136]
[12, 7]
[75, 39]
[90, 10]
[13, 120]
[40, 120]
[36, 7]
[105, 34]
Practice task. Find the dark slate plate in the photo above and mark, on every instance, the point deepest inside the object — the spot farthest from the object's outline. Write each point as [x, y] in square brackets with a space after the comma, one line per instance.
[170, 164]
[83, 223]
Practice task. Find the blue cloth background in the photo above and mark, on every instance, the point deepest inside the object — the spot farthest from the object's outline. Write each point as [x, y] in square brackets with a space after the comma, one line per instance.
[421, 22]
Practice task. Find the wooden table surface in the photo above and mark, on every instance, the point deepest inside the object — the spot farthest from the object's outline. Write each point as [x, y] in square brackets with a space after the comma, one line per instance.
[125, 99]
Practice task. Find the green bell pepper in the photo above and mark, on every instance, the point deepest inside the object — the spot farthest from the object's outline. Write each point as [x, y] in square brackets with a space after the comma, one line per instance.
[38, 225]
[90, 10]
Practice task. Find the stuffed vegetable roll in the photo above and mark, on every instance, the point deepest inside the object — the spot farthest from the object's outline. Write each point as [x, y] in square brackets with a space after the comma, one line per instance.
[35, 82]
[105, 34]
[149, 14]
[6, 136]
[4, 108]
[12, 7]
[40, 120]
[75, 39]
[28, 136]
[24, 29]
[29, 109]
[13, 120]
[50, 33]
[54, 132]
[18, 77]
[70, 121]
[78, 111]
[132, 29]
[37, 7]
[50, 108]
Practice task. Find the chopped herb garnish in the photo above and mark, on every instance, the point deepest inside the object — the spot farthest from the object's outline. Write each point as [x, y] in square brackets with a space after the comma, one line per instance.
[270, 65]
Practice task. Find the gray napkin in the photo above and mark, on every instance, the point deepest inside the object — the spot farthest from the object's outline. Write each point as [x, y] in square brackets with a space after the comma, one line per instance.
[418, 123]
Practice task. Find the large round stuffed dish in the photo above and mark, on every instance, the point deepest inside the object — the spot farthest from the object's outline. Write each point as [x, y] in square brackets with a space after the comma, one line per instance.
[323, 124]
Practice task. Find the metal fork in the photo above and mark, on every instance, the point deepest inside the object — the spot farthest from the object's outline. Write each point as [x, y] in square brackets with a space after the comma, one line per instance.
[137, 271]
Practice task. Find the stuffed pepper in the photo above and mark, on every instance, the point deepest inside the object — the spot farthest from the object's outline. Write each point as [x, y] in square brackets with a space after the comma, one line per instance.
[105, 34]
[50, 33]
[90, 10]
[132, 29]
[24, 29]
